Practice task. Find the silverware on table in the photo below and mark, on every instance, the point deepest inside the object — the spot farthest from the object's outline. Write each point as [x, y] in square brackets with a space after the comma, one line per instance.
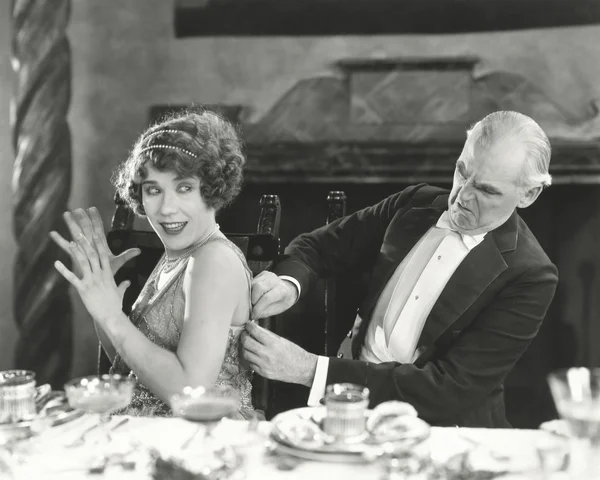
[80, 440]
[191, 438]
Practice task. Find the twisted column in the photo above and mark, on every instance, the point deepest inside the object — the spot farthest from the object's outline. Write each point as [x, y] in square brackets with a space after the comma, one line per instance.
[41, 60]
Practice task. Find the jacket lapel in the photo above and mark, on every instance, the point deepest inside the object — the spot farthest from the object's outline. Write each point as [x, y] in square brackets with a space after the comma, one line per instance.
[401, 236]
[479, 268]
[474, 275]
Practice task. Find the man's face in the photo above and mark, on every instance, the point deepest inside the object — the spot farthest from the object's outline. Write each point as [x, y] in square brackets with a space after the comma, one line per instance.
[486, 190]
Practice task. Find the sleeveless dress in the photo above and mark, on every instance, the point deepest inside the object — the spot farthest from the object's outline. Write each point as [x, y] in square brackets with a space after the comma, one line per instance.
[160, 319]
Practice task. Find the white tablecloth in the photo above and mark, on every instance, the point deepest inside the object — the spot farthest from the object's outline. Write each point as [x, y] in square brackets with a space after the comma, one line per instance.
[46, 457]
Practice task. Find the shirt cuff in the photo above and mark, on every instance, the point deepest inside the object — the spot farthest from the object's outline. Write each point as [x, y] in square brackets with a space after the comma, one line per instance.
[317, 391]
[294, 282]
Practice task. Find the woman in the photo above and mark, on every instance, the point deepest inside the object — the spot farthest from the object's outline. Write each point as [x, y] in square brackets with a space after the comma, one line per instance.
[185, 325]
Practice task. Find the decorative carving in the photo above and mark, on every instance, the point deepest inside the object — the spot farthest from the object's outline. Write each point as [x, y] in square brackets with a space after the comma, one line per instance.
[124, 217]
[41, 58]
[268, 223]
[509, 91]
[270, 215]
[331, 129]
[345, 128]
[385, 162]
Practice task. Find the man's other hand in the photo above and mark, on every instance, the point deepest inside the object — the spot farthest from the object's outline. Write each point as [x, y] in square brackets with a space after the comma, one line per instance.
[276, 358]
[271, 295]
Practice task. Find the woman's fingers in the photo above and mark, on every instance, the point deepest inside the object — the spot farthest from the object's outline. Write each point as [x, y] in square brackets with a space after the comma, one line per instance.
[100, 246]
[98, 227]
[97, 224]
[87, 232]
[72, 225]
[84, 223]
[79, 256]
[67, 274]
[89, 250]
[60, 241]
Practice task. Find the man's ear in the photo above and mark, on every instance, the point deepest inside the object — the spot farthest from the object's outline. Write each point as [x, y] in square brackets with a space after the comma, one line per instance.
[529, 196]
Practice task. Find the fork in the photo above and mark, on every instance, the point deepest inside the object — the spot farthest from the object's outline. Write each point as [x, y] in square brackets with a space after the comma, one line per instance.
[81, 439]
[502, 457]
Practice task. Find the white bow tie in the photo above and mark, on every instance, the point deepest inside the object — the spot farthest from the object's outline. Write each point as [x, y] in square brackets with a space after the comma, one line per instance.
[470, 241]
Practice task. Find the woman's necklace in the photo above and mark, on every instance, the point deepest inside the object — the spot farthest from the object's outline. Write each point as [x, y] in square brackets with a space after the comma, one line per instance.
[170, 264]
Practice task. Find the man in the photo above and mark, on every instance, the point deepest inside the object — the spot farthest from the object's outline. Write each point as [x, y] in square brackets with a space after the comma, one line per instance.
[457, 285]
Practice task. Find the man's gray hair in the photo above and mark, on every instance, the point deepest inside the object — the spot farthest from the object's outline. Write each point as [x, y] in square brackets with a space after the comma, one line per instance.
[507, 124]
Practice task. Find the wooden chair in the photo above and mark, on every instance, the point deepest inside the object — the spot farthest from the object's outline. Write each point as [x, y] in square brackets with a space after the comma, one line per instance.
[336, 208]
[340, 314]
[260, 249]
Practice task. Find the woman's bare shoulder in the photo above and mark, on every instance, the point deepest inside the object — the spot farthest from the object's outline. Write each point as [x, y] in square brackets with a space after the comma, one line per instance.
[217, 260]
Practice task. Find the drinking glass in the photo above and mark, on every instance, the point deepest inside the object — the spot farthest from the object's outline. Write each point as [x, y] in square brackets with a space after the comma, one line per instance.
[100, 394]
[576, 394]
[17, 395]
[206, 405]
[345, 408]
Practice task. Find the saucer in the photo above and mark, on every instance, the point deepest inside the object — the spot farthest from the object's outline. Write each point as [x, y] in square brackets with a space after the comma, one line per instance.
[362, 448]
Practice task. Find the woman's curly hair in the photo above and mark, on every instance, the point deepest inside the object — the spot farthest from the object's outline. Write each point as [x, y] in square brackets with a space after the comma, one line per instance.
[198, 144]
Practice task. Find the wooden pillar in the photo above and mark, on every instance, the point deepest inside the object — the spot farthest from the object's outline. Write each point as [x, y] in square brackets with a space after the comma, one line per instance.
[41, 60]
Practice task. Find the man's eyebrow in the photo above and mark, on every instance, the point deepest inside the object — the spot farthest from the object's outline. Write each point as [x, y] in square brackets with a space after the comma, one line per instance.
[150, 182]
[487, 187]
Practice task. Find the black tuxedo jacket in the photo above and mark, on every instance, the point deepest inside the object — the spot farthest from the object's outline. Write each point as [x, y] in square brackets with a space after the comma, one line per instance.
[486, 316]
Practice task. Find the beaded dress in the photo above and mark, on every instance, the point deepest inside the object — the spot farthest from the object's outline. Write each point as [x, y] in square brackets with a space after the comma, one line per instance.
[158, 314]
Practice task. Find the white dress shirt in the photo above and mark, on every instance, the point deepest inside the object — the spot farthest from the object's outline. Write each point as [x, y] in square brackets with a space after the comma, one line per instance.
[407, 299]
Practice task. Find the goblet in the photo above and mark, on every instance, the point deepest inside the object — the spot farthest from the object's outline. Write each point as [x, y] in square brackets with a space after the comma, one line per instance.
[576, 394]
[206, 405]
[101, 394]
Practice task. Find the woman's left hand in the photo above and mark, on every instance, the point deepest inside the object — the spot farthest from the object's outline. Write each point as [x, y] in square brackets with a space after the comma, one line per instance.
[96, 287]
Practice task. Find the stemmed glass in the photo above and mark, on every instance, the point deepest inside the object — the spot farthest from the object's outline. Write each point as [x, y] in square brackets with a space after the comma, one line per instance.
[102, 395]
[206, 405]
[576, 394]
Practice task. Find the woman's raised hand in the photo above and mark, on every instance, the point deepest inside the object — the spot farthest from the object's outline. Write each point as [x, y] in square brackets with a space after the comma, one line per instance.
[92, 259]
[89, 223]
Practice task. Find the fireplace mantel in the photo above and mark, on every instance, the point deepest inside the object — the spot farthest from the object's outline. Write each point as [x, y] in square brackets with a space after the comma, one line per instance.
[347, 162]
[400, 120]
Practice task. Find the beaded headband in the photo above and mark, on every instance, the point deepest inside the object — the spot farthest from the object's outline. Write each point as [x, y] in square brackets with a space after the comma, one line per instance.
[172, 147]
[160, 131]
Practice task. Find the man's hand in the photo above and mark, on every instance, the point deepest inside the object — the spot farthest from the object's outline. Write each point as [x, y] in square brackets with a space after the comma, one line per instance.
[276, 358]
[271, 295]
[89, 224]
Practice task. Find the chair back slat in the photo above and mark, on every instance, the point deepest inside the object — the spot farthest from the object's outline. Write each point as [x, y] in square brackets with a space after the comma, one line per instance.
[336, 208]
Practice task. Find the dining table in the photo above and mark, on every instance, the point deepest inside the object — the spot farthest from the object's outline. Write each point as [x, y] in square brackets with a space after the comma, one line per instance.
[133, 447]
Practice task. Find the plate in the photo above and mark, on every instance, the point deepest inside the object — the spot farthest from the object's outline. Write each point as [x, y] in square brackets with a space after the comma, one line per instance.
[56, 410]
[342, 457]
[355, 450]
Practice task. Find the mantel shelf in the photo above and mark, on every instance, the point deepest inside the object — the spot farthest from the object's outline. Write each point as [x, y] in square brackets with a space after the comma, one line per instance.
[572, 163]
[375, 17]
